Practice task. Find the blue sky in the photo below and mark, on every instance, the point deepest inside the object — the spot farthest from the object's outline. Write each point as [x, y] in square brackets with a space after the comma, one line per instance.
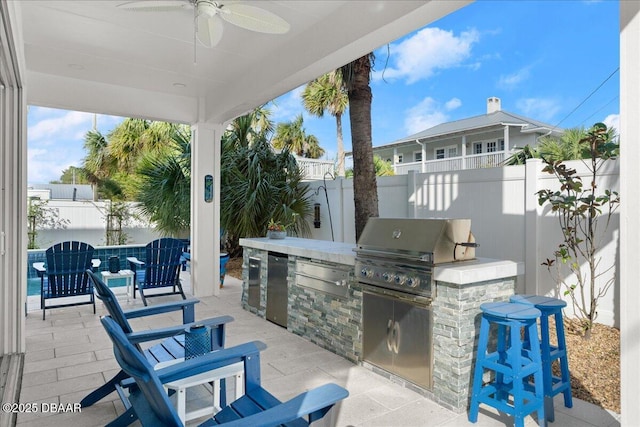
[543, 59]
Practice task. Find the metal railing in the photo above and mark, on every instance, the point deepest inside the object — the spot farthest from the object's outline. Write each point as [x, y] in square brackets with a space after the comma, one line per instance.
[314, 168]
[474, 161]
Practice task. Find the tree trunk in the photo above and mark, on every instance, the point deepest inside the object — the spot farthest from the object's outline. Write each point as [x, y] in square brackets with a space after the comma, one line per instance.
[365, 188]
[340, 145]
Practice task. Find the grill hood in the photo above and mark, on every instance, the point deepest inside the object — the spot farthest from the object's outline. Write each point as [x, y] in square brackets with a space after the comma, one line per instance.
[429, 240]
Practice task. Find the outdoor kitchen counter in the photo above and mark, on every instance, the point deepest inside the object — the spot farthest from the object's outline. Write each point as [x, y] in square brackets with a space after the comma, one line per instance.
[476, 271]
[321, 250]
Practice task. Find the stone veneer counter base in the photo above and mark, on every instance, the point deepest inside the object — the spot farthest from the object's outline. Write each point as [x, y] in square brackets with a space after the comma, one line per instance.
[336, 323]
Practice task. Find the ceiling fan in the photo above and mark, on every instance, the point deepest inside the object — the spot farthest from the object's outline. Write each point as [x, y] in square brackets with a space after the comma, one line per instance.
[209, 16]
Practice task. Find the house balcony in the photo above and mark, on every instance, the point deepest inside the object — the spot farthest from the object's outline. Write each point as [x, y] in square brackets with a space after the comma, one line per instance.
[314, 168]
[474, 161]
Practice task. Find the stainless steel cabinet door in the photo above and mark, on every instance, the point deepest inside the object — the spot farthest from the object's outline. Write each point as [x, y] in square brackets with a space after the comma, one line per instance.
[277, 289]
[377, 316]
[411, 337]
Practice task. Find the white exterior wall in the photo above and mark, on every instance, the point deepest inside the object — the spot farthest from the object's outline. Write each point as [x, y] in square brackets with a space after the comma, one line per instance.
[505, 218]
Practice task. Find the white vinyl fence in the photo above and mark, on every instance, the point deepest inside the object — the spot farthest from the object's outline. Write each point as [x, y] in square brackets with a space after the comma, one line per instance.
[87, 222]
[506, 219]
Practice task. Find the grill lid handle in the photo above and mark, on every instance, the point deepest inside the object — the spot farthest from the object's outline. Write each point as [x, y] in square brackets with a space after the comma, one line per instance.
[464, 245]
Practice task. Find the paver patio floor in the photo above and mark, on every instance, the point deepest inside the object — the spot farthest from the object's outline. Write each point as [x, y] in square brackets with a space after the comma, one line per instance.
[69, 355]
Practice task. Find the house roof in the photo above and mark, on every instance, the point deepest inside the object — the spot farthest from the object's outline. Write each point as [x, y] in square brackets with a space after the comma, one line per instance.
[484, 121]
[66, 191]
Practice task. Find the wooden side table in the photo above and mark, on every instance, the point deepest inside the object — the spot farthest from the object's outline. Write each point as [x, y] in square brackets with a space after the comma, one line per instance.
[122, 274]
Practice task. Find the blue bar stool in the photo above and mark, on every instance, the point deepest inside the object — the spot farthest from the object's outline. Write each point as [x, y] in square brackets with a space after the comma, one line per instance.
[552, 385]
[512, 363]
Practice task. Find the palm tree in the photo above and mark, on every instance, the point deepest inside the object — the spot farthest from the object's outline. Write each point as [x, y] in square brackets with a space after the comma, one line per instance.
[163, 185]
[98, 165]
[356, 76]
[260, 185]
[327, 93]
[569, 146]
[382, 167]
[292, 136]
[243, 130]
[126, 142]
[312, 147]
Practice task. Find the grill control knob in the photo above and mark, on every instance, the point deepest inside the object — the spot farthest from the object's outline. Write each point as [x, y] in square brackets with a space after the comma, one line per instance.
[366, 272]
[413, 282]
[388, 277]
[400, 279]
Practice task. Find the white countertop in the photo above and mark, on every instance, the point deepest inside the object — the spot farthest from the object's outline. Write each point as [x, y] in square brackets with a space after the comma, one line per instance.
[477, 270]
[322, 250]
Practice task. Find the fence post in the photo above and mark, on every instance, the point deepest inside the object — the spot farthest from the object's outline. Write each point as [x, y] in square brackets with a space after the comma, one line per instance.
[532, 219]
[412, 201]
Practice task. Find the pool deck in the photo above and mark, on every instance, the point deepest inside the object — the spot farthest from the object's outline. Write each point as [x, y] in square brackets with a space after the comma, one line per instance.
[69, 355]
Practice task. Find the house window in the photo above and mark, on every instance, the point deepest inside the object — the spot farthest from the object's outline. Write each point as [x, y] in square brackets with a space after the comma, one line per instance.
[417, 156]
[491, 147]
[501, 143]
[477, 148]
[446, 152]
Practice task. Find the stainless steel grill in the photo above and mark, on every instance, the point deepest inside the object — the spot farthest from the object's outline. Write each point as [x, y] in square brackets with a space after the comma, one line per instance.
[399, 254]
[394, 264]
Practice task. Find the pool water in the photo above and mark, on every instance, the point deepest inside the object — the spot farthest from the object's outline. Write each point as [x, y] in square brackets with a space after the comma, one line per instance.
[33, 285]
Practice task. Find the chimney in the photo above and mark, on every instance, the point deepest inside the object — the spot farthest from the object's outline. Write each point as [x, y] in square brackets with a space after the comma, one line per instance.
[493, 105]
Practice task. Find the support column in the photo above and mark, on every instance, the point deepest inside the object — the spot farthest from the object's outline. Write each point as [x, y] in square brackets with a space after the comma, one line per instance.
[531, 220]
[463, 151]
[629, 225]
[506, 139]
[205, 215]
[395, 160]
[13, 185]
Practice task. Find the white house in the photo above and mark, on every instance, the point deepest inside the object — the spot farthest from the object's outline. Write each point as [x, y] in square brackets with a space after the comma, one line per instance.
[476, 142]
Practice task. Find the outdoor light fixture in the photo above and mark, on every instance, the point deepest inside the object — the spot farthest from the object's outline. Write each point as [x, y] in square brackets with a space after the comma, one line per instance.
[316, 215]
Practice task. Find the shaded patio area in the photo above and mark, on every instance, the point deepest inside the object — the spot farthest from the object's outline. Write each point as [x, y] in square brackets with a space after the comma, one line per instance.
[69, 355]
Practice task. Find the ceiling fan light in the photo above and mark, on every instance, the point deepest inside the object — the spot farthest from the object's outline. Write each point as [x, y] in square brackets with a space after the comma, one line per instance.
[206, 8]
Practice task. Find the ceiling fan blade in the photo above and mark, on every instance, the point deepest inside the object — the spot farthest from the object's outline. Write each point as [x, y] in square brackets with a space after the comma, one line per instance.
[253, 18]
[210, 29]
[156, 5]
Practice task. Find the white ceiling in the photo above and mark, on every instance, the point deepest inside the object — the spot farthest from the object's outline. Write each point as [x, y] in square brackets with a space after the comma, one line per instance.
[93, 56]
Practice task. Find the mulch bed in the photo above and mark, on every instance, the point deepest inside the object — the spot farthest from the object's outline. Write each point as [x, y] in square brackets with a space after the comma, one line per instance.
[594, 365]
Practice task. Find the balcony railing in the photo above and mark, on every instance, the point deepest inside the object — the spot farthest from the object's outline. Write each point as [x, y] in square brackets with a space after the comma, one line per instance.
[474, 161]
[314, 168]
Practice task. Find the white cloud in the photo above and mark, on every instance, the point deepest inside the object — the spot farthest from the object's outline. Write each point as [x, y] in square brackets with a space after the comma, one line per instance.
[430, 49]
[69, 124]
[544, 109]
[288, 106]
[428, 113]
[613, 121]
[55, 140]
[452, 104]
[511, 81]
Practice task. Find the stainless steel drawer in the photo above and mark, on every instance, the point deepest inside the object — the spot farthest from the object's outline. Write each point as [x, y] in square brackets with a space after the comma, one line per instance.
[326, 278]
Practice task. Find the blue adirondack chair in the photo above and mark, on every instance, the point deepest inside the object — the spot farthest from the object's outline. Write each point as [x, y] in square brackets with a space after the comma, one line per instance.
[64, 275]
[256, 408]
[160, 269]
[170, 349]
[224, 259]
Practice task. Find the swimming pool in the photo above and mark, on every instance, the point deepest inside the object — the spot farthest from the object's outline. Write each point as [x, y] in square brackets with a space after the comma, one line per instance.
[33, 285]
